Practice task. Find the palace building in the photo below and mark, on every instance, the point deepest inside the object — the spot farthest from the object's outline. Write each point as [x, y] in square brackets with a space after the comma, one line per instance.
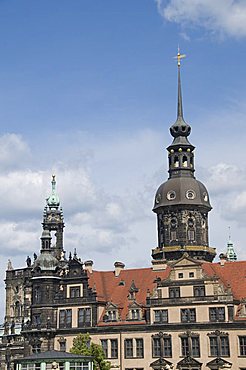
[184, 312]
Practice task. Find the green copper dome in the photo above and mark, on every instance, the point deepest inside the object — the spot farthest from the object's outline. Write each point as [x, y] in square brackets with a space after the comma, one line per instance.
[53, 200]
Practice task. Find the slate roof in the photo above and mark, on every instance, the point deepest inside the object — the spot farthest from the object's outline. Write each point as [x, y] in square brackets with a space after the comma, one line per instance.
[53, 355]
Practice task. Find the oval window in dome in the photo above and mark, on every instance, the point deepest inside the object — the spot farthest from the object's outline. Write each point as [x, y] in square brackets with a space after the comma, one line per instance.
[205, 196]
[190, 194]
[171, 195]
[158, 198]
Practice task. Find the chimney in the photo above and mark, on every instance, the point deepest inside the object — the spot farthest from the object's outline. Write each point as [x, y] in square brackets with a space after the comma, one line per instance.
[118, 266]
[223, 258]
[88, 266]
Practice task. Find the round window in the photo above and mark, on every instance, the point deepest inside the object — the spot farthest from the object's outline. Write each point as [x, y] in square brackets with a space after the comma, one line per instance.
[171, 195]
[190, 194]
[205, 197]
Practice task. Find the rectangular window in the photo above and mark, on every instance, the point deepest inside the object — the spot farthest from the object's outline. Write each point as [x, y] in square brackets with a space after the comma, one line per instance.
[214, 348]
[68, 318]
[199, 291]
[195, 343]
[225, 350]
[65, 318]
[156, 347]
[181, 275]
[75, 292]
[104, 344]
[174, 292]
[62, 346]
[188, 315]
[114, 348]
[139, 348]
[62, 316]
[37, 320]
[78, 366]
[191, 274]
[112, 315]
[135, 314]
[242, 346]
[128, 348]
[84, 317]
[167, 346]
[217, 313]
[185, 346]
[161, 316]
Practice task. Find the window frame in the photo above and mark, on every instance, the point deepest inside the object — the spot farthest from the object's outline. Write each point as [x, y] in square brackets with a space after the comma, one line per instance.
[189, 312]
[214, 314]
[242, 346]
[174, 292]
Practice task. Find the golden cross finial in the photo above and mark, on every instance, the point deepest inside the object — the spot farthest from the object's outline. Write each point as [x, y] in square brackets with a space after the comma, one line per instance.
[179, 57]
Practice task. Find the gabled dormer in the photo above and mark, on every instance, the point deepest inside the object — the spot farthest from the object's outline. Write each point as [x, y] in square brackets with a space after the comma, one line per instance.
[135, 311]
[132, 291]
[111, 313]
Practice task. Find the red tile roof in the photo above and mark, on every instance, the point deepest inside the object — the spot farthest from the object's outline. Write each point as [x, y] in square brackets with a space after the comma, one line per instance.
[115, 289]
[231, 274]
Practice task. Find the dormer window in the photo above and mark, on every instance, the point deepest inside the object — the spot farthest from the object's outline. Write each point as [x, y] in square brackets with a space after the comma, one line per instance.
[111, 312]
[112, 315]
[132, 296]
[135, 314]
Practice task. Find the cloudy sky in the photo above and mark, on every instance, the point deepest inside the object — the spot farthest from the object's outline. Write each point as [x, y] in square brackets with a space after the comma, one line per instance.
[88, 92]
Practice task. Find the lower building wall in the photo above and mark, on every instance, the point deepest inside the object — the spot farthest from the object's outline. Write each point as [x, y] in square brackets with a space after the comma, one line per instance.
[144, 363]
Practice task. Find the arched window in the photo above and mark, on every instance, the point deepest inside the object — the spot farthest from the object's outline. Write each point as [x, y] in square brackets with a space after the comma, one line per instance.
[173, 229]
[191, 229]
[176, 161]
[17, 309]
[184, 161]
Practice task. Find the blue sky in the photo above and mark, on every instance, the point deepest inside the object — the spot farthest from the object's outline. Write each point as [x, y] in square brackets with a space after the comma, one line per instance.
[88, 92]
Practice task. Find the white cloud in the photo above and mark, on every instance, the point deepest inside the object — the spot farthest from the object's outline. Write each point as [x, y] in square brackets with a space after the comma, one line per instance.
[222, 17]
[14, 151]
[225, 178]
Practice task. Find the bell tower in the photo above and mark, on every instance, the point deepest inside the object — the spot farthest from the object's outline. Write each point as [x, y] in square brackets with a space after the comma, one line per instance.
[182, 202]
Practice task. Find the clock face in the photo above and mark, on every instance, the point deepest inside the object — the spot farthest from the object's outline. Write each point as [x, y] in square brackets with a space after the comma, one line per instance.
[53, 218]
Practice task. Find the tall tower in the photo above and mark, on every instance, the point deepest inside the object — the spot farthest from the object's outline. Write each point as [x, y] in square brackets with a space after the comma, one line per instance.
[182, 202]
[53, 220]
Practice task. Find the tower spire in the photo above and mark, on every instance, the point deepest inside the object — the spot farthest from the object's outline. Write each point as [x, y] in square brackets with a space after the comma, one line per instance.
[230, 253]
[182, 203]
[180, 105]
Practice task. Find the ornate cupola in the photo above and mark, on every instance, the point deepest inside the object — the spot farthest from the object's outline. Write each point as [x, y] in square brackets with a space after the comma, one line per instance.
[182, 202]
[53, 220]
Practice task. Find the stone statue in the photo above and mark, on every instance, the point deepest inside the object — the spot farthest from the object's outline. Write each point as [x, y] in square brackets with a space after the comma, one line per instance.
[9, 266]
[28, 261]
[12, 327]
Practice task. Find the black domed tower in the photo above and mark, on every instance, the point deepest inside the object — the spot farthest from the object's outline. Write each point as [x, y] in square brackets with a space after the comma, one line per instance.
[182, 202]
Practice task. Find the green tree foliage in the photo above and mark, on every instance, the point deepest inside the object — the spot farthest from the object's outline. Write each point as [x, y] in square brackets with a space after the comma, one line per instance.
[82, 345]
